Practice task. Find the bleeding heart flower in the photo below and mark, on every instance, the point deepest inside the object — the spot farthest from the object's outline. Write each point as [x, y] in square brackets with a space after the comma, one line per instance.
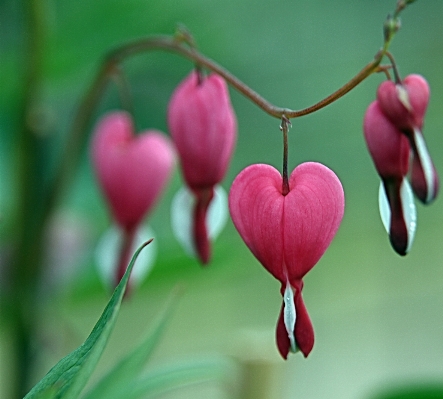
[288, 234]
[132, 172]
[390, 151]
[203, 127]
[405, 106]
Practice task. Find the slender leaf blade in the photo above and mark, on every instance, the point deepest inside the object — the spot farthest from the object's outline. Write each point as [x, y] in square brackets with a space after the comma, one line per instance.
[69, 376]
[177, 376]
[129, 368]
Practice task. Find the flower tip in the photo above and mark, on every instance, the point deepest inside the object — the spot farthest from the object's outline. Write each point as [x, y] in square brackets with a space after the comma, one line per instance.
[424, 176]
[398, 214]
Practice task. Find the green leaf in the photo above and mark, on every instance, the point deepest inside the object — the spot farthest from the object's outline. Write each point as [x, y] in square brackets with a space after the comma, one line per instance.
[177, 376]
[69, 376]
[129, 368]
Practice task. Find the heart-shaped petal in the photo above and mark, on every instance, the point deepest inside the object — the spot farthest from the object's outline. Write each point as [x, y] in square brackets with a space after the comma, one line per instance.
[287, 234]
[132, 170]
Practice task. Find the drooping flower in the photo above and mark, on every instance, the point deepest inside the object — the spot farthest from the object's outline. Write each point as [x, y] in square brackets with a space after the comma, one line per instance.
[203, 127]
[132, 171]
[393, 131]
[405, 105]
[288, 234]
[390, 151]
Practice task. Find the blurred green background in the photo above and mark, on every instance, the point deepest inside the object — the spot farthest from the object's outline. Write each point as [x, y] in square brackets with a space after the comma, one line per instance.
[378, 318]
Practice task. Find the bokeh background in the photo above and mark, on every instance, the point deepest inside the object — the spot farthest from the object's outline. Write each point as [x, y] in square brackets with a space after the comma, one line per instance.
[378, 317]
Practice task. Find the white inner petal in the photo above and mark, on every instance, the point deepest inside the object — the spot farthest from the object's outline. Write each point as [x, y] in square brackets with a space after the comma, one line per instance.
[107, 255]
[426, 163]
[409, 211]
[289, 315]
[383, 205]
[182, 209]
[403, 96]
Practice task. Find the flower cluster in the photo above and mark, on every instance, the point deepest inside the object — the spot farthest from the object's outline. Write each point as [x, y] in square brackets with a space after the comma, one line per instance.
[392, 128]
[287, 223]
[132, 171]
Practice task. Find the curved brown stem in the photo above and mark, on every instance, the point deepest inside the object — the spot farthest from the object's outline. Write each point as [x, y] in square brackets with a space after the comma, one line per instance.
[284, 127]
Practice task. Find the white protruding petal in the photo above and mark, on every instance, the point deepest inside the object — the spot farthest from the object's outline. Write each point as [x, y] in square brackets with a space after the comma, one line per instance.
[107, 255]
[403, 96]
[383, 205]
[426, 163]
[409, 211]
[182, 209]
[408, 206]
[289, 315]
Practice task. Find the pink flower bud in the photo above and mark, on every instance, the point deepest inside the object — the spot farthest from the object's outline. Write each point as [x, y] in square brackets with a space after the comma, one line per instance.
[203, 127]
[288, 234]
[132, 170]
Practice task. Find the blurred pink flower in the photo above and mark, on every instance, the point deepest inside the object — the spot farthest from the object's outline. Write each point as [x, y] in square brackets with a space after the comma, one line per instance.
[132, 171]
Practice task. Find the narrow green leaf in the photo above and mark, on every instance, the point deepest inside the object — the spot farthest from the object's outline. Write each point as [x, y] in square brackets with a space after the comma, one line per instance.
[178, 376]
[69, 376]
[129, 368]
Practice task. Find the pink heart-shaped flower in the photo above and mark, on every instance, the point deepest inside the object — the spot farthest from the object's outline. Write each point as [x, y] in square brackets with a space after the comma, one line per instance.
[132, 170]
[287, 234]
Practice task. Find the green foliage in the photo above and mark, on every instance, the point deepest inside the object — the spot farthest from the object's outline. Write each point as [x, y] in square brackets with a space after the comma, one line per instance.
[70, 375]
[162, 380]
[416, 392]
[121, 378]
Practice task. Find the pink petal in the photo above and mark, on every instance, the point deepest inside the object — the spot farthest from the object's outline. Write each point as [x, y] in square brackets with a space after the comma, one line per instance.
[313, 211]
[388, 146]
[256, 207]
